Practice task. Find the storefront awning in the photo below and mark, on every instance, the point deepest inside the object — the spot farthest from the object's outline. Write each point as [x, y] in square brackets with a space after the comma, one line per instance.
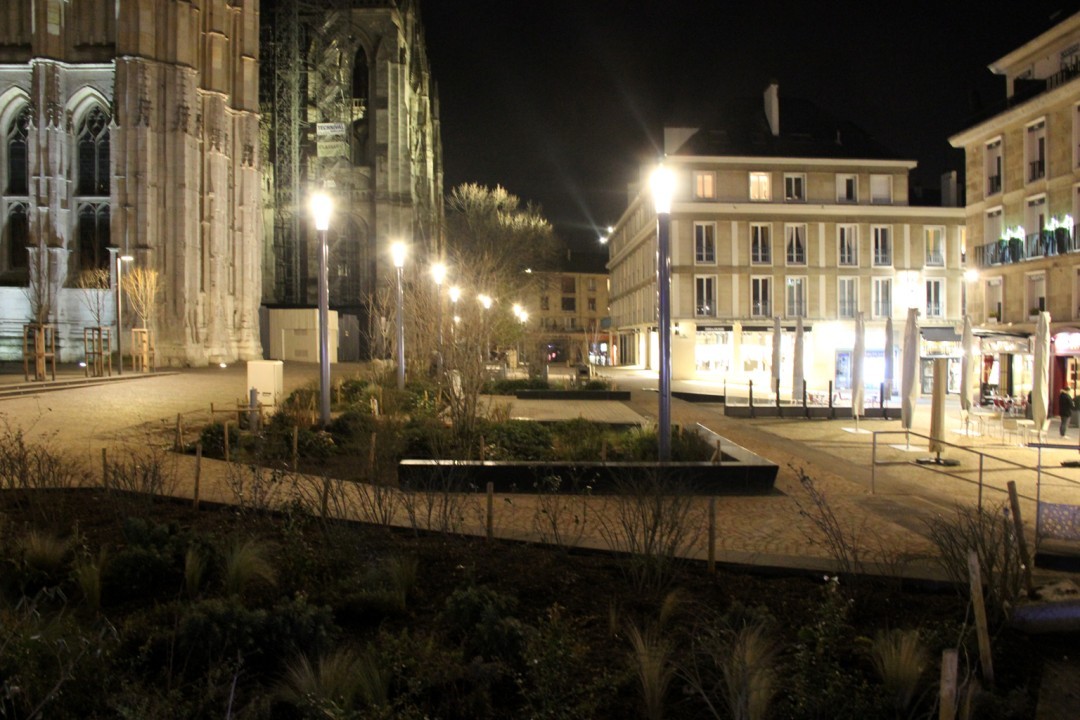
[940, 334]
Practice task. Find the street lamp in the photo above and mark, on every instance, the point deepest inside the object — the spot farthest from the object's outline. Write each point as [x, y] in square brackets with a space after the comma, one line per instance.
[397, 252]
[523, 317]
[662, 185]
[321, 209]
[120, 260]
[438, 274]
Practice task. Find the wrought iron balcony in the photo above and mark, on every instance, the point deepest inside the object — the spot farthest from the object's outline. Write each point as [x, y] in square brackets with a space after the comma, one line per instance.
[993, 184]
[1047, 243]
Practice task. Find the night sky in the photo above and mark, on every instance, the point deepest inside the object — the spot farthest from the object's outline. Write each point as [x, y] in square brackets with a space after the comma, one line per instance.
[560, 101]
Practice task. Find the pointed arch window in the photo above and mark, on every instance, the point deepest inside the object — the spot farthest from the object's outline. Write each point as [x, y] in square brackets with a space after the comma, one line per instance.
[93, 235]
[18, 236]
[93, 154]
[360, 84]
[18, 157]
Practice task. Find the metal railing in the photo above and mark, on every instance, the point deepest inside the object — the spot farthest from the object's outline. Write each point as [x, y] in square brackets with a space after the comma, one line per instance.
[983, 472]
[1036, 170]
[1046, 243]
[993, 184]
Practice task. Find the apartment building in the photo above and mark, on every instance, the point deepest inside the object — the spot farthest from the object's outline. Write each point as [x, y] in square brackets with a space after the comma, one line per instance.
[783, 211]
[566, 313]
[1023, 194]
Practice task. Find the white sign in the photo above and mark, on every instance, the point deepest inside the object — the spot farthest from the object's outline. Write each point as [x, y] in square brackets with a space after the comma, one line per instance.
[333, 148]
[330, 129]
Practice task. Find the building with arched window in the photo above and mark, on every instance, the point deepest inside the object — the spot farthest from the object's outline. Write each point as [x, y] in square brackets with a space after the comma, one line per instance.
[130, 127]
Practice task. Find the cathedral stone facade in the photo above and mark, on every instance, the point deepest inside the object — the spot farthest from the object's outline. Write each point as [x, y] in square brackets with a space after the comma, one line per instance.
[131, 127]
[349, 107]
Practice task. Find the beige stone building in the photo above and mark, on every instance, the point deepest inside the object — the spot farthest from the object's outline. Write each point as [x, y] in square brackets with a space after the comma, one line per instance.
[1023, 199]
[130, 127]
[566, 317]
[785, 212]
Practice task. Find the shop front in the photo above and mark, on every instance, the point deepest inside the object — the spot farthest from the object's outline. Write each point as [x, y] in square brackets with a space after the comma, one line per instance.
[1065, 368]
[939, 342]
[1006, 366]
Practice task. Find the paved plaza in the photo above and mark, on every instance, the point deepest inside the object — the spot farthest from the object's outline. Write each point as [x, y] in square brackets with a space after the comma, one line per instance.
[884, 505]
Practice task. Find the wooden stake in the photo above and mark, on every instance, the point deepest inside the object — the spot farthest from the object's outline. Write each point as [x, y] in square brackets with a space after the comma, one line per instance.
[712, 535]
[1021, 541]
[372, 456]
[325, 501]
[947, 693]
[179, 443]
[198, 474]
[105, 468]
[975, 579]
[295, 448]
[226, 441]
[212, 412]
[490, 510]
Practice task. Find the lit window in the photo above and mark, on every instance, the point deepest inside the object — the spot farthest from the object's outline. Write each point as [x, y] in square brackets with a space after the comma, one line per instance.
[881, 189]
[992, 165]
[935, 246]
[760, 186]
[705, 185]
[1035, 149]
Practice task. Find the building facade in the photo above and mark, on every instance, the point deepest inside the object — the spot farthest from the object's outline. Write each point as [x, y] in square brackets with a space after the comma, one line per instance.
[566, 313]
[131, 127]
[1023, 198]
[791, 215]
[349, 107]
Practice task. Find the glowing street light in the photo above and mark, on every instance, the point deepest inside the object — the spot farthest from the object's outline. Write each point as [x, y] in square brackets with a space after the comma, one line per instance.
[662, 183]
[397, 252]
[120, 260]
[322, 207]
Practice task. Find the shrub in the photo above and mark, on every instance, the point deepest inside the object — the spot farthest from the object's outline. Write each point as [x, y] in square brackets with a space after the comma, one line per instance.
[136, 573]
[481, 620]
[244, 562]
[581, 439]
[512, 386]
[516, 439]
[88, 573]
[212, 438]
[334, 679]
[900, 659]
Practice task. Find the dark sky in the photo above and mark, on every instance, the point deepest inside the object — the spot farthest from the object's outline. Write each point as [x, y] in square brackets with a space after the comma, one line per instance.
[559, 101]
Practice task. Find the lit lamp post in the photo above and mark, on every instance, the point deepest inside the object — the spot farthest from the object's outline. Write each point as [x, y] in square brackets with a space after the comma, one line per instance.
[455, 294]
[321, 208]
[523, 317]
[120, 260]
[661, 183]
[438, 274]
[397, 251]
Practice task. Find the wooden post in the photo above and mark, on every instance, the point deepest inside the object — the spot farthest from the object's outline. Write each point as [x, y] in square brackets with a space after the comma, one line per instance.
[295, 448]
[750, 384]
[832, 410]
[1021, 541]
[198, 473]
[179, 445]
[212, 416]
[805, 405]
[105, 468]
[325, 500]
[712, 536]
[490, 510]
[372, 455]
[947, 693]
[226, 436]
[975, 580]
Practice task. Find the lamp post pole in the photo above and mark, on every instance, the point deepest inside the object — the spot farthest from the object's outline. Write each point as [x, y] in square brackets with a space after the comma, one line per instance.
[438, 274]
[661, 183]
[321, 208]
[120, 260]
[398, 252]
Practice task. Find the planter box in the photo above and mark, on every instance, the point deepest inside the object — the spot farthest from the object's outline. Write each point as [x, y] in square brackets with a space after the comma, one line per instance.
[572, 394]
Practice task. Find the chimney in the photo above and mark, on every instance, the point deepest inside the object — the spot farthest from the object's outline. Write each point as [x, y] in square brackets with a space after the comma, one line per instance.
[950, 189]
[772, 107]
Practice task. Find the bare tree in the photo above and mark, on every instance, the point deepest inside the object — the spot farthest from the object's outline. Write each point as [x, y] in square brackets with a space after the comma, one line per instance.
[93, 284]
[142, 289]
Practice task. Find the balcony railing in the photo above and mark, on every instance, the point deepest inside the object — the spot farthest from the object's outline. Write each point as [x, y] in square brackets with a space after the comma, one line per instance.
[761, 309]
[993, 184]
[935, 259]
[1048, 243]
[1036, 170]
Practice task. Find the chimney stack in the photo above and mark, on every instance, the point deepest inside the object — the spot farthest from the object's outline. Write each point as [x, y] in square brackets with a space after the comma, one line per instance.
[772, 107]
